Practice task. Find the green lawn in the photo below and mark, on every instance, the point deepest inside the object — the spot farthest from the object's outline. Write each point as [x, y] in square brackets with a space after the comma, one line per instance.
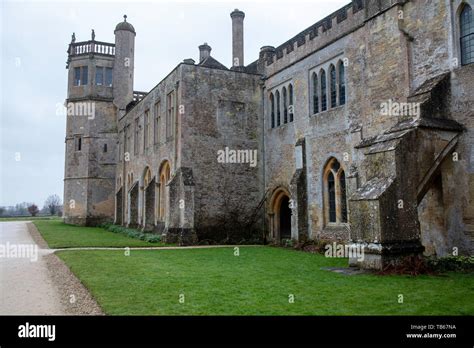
[60, 235]
[258, 282]
[29, 218]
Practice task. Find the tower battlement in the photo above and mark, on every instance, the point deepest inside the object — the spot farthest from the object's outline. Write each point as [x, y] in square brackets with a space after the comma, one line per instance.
[325, 31]
[90, 47]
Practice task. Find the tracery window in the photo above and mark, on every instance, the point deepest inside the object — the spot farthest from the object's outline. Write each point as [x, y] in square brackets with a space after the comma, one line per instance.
[323, 91]
[332, 78]
[466, 35]
[335, 195]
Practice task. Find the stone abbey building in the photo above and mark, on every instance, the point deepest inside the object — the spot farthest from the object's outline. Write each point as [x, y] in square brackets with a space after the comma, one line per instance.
[360, 130]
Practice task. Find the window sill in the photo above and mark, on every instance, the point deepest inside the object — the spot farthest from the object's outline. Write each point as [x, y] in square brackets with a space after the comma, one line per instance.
[336, 225]
[328, 110]
[284, 125]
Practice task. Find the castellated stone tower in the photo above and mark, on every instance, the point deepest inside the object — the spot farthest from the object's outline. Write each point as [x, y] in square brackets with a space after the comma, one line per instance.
[100, 86]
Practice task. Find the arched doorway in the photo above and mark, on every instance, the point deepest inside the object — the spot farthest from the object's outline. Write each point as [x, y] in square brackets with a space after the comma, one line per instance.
[118, 203]
[285, 218]
[163, 200]
[148, 200]
[133, 205]
[280, 215]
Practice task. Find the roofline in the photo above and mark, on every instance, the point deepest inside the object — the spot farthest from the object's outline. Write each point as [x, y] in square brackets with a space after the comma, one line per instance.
[308, 29]
[177, 66]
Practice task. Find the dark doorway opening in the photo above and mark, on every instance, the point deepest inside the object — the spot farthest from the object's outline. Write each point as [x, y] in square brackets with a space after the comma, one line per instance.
[118, 207]
[150, 206]
[285, 218]
[133, 223]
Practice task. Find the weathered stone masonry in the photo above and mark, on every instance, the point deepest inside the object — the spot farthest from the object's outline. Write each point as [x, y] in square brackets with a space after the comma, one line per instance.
[331, 164]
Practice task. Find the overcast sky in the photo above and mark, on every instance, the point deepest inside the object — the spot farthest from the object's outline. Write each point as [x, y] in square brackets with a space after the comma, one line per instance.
[34, 39]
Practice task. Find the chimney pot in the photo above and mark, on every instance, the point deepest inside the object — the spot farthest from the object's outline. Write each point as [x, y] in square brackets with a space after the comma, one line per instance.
[204, 51]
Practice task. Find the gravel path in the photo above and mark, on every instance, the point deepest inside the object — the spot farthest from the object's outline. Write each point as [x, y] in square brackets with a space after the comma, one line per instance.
[25, 285]
[38, 282]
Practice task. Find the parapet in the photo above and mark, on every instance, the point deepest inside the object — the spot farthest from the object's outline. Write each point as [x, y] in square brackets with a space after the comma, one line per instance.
[327, 30]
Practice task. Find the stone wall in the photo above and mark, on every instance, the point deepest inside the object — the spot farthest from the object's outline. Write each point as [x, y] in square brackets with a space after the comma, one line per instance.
[214, 109]
[90, 173]
[134, 160]
[392, 51]
[222, 110]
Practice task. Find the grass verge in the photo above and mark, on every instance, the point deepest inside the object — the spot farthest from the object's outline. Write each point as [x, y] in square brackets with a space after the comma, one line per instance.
[60, 235]
[261, 281]
[29, 218]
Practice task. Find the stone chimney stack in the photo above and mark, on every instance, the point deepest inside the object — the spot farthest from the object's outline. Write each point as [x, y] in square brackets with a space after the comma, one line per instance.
[237, 38]
[204, 51]
[266, 55]
[124, 64]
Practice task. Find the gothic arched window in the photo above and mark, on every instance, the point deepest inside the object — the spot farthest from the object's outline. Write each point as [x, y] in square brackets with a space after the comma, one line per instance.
[335, 196]
[467, 35]
[331, 197]
[291, 107]
[332, 78]
[278, 107]
[315, 94]
[146, 177]
[342, 84]
[285, 106]
[272, 108]
[342, 187]
[324, 102]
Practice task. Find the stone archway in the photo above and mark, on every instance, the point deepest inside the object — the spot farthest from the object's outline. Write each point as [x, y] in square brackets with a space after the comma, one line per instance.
[280, 215]
[148, 200]
[285, 218]
[163, 199]
[118, 207]
[133, 206]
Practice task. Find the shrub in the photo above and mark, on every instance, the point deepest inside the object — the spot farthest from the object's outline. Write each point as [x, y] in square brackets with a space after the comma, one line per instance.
[287, 243]
[412, 265]
[452, 263]
[153, 238]
[313, 246]
[415, 265]
[132, 233]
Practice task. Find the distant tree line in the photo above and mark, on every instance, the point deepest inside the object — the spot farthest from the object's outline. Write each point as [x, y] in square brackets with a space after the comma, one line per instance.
[52, 206]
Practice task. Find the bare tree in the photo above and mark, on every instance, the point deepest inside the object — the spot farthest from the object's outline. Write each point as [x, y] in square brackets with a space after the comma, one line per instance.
[21, 209]
[33, 209]
[53, 204]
